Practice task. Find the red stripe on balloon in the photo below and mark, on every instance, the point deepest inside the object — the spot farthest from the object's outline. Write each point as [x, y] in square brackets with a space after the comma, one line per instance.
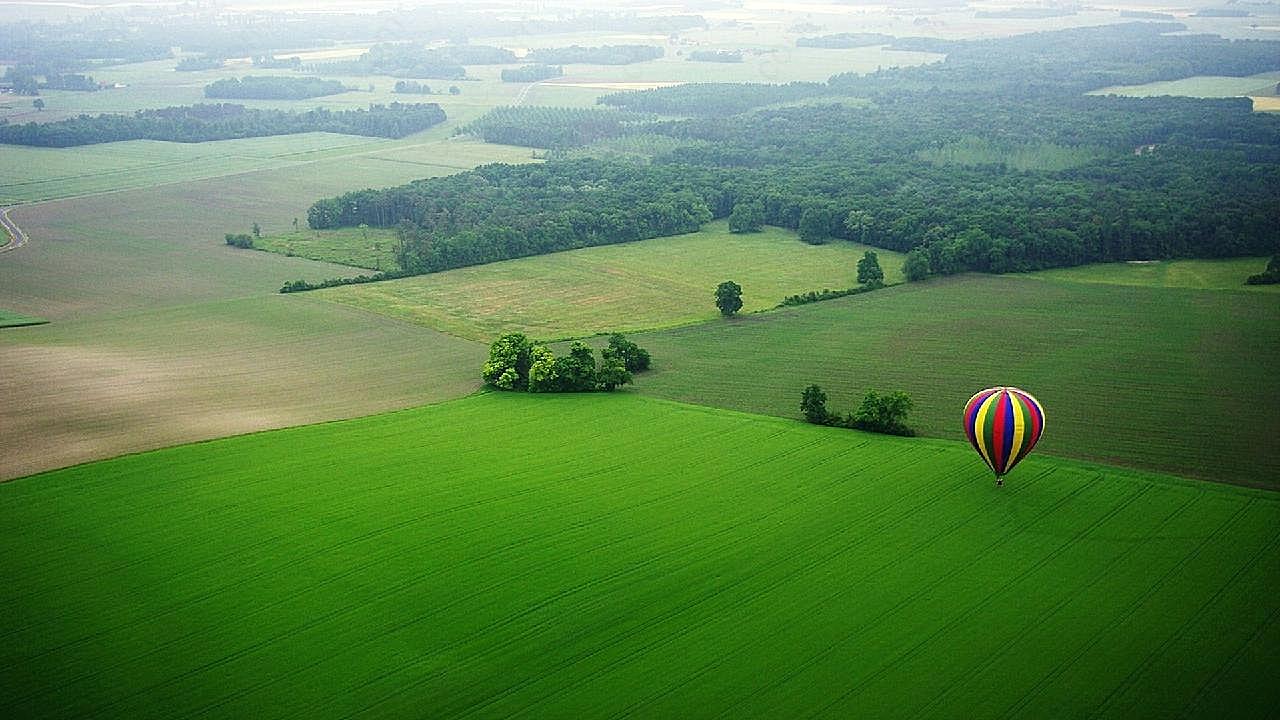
[998, 449]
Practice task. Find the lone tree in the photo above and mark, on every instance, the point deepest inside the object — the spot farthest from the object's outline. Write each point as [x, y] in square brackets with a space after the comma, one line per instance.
[813, 403]
[38, 104]
[869, 272]
[729, 297]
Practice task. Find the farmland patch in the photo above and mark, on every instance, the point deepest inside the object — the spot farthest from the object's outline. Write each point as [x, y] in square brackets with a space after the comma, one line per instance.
[699, 563]
[645, 284]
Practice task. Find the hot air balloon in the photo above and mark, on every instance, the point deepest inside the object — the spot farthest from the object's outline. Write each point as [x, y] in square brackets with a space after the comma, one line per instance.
[1003, 424]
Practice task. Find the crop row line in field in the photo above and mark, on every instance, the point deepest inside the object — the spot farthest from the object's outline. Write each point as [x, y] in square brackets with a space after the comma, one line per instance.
[1098, 575]
[1026, 572]
[667, 638]
[321, 551]
[649, 559]
[1015, 708]
[1265, 550]
[892, 610]
[418, 580]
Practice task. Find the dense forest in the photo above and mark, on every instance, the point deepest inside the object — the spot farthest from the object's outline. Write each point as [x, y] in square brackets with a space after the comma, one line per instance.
[272, 87]
[604, 55]
[929, 172]
[413, 60]
[551, 127]
[532, 73]
[199, 123]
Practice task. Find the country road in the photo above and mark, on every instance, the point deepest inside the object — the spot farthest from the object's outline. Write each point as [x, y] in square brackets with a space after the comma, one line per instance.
[17, 238]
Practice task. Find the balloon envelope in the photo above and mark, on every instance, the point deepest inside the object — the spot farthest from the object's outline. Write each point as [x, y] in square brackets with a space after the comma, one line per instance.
[1003, 424]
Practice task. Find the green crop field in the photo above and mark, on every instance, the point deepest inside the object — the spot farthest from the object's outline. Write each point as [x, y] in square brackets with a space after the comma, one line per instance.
[592, 556]
[1201, 86]
[1225, 274]
[646, 284]
[372, 248]
[1161, 378]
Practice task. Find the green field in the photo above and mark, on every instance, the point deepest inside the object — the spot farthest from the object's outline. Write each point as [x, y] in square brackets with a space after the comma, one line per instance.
[1226, 274]
[1161, 378]
[647, 284]
[613, 555]
[1208, 86]
[13, 319]
[372, 248]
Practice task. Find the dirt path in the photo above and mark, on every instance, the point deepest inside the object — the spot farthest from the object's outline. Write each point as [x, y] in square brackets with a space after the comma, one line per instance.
[17, 238]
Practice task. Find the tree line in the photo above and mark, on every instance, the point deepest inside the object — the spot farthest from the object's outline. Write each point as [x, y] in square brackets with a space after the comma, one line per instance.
[200, 123]
[272, 87]
[603, 55]
[845, 40]
[532, 73]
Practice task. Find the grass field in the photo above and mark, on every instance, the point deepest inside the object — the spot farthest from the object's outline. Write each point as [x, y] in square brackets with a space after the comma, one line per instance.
[651, 283]
[1227, 274]
[643, 559]
[372, 248]
[103, 385]
[1201, 86]
[13, 319]
[1160, 378]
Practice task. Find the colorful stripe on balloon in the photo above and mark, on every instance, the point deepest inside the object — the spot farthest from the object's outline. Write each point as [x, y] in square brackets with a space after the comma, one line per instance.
[1003, 424]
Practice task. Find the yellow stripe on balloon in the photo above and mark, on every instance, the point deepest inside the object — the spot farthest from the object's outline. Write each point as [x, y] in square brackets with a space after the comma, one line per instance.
[1019, 426]
[979, 425]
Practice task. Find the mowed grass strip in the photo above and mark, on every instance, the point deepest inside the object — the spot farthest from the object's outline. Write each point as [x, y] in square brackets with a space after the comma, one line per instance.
[1224, 274]
[590, 556]
[662, 282]
[1161, 378]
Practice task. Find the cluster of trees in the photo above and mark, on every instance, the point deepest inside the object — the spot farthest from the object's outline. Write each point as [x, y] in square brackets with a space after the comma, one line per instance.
[413, 60]
[272, 87]
[271, 62]
[532, 73]
[411, 87]
[70, 81]
[845, 40]
[1270, 276]
[517, 363]
[22, 79]
[200, 62]
[604, 55]
[720, 56]
[550, 127]
[240, 240]
[199, 123]
[877, 413]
